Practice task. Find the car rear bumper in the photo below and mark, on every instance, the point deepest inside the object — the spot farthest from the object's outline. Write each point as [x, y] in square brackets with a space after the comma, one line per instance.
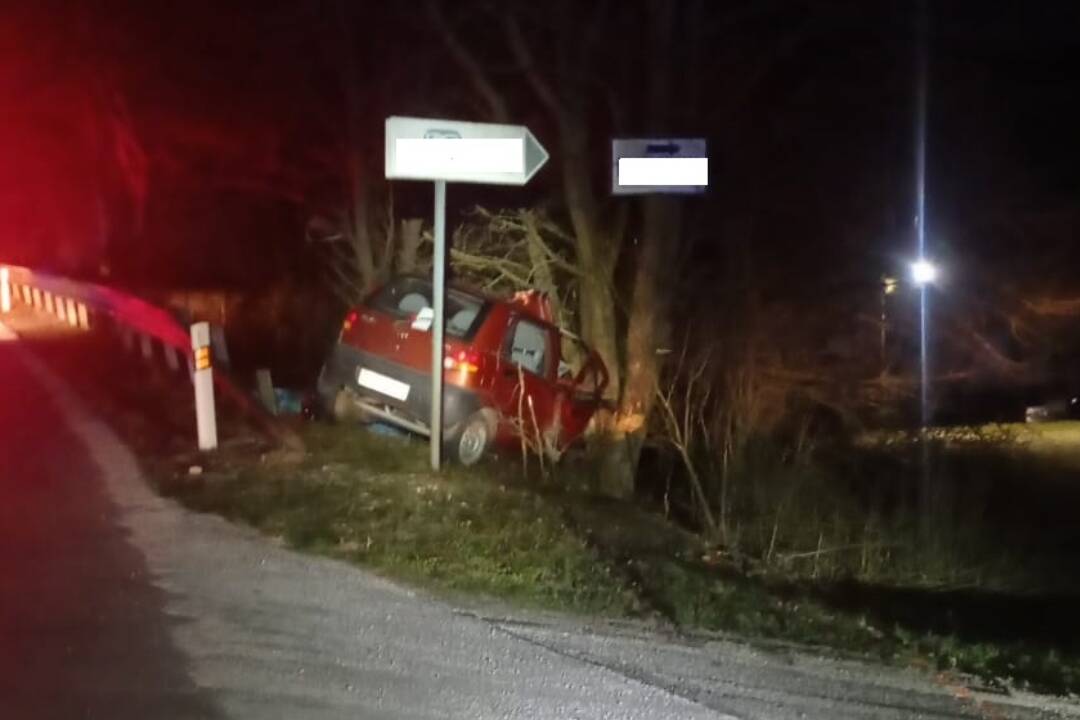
[343, 366]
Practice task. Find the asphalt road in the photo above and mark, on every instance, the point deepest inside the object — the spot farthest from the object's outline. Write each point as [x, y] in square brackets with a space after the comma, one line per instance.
[116, 603]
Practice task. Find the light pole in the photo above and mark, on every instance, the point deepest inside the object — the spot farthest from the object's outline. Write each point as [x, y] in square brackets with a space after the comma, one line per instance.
[888, 287]
[923, 273]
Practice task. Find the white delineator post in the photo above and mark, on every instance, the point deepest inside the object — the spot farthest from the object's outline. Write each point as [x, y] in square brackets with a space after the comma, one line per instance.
[5, 290]
[203, 379]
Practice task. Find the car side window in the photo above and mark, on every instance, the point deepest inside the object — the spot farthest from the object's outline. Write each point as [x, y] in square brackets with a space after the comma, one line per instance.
[528, 347]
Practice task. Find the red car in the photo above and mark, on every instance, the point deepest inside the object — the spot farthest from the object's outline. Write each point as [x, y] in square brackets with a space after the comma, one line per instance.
[508, 371]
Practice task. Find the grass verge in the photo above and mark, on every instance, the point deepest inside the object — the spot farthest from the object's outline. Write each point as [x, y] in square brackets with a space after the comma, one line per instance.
[369, 499]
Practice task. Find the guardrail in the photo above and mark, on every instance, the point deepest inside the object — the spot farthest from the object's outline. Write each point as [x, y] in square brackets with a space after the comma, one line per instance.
[160, 334]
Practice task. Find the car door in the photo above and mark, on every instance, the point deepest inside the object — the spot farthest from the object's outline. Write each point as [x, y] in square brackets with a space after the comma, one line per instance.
[524, 391]
[581, 383]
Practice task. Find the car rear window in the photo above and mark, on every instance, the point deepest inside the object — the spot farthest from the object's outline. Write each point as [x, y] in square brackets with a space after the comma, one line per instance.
[406, 296]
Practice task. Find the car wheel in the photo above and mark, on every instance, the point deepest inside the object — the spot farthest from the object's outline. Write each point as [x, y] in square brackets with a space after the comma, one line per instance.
[473, 438]
[344, 408]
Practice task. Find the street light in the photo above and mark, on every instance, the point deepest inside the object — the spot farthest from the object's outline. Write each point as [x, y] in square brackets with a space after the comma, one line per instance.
[923, 272]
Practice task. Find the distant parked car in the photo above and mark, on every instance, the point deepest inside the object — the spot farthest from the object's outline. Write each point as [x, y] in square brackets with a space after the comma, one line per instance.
[507, 369]
[1059, 409]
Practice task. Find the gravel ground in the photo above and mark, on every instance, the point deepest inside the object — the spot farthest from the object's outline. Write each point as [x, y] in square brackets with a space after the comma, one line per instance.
[245, 628]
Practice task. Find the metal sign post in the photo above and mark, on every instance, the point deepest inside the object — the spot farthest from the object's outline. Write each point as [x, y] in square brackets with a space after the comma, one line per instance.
[438, 271]
[455, 151]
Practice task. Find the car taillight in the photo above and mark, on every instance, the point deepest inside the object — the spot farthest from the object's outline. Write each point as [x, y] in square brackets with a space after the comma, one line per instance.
[467, 361]
[350, 320]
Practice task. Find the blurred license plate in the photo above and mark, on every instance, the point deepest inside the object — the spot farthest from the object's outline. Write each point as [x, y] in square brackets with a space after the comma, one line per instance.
[380, 383]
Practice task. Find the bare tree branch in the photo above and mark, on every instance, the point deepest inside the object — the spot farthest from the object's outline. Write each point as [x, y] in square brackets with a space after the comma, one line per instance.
[478, 77]
[511, 270]
[1054, 307]
[519, 46]
[677, 436]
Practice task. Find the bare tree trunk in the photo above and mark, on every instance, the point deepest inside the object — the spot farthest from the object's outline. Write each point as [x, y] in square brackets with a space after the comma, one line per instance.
[596, 308]
[384, 265]
[596, 252]
[360, 232]
[409, 244]
[358, 213]
[649, 317]
[647, 334]
[597, 313]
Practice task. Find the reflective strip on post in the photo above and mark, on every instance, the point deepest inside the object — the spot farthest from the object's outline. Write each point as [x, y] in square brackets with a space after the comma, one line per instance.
[84, 317]
[205, 419]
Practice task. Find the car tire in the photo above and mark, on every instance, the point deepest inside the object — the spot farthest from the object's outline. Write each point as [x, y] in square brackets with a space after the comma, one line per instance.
[467, 444]
[342, 408]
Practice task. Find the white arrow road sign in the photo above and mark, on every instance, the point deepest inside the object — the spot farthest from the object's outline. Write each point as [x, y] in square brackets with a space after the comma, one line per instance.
[456, 151]
[641, 166]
